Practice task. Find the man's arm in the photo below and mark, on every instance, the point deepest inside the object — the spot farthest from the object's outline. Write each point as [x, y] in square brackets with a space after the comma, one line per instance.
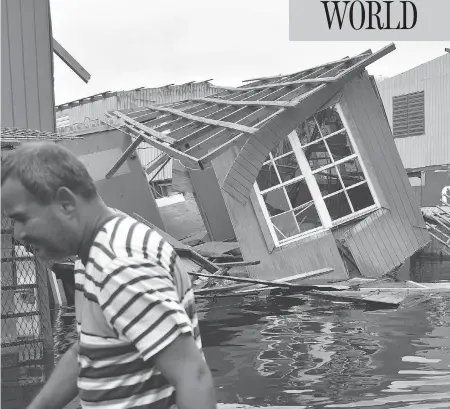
[61, 387]
[183, 366]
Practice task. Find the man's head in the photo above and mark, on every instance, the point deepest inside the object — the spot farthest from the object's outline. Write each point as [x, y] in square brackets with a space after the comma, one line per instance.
[45, 189]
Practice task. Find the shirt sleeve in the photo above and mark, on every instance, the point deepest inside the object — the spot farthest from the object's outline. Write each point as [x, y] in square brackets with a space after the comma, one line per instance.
[140, 301]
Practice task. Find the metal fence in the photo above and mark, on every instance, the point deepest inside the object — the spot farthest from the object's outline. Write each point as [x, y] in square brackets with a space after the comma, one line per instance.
[26, 340]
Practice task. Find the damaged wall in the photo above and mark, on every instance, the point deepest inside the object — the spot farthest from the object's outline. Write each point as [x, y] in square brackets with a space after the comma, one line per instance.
[128, 189]
[383, 240]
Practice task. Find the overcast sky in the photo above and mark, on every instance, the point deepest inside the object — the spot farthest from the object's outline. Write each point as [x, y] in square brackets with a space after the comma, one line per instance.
[151, 43]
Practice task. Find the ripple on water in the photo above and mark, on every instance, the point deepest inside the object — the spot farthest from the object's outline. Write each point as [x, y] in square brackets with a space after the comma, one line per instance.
[316, 353]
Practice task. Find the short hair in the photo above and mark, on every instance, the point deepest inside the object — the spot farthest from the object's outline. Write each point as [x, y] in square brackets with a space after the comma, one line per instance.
[44, 167]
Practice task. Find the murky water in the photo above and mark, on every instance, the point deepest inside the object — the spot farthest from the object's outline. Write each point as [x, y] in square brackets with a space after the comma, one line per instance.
[316, 353]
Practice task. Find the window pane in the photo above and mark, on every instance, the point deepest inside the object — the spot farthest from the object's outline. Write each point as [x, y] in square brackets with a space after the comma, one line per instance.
[351, 172]
[338, 206]
[308, 131]
[360, 197]
[298, 193]
[288, 167]
[307, 217]
[328, 181]
[283, 147]
[276, 201]
[285, 225]
[340, 145]
[267, 177]
[317, 155]
[329, 121]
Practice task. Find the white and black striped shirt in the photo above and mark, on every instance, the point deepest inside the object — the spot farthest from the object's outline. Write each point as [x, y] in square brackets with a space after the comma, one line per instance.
[133, 298]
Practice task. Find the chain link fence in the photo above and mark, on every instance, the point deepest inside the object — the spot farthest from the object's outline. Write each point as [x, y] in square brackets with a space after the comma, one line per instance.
[26, 340]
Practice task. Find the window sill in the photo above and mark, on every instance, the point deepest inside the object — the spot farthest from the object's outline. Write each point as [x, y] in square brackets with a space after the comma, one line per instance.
[321, 232]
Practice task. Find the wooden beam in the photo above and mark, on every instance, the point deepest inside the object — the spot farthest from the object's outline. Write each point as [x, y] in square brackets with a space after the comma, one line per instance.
[73, 64]
[213, 122]
[187, 160]
[135, 124]
[282, 84]
[238, 263]
[246, 102]
[159, 141]
[156, 163]
[160, 169]
[124, 157]
[276, 283]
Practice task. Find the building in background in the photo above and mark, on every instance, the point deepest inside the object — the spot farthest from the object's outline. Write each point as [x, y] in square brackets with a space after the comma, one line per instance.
[417, 104]
[88, 115]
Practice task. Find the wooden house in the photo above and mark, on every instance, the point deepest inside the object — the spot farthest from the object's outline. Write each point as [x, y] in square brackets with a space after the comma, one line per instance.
[306, 165]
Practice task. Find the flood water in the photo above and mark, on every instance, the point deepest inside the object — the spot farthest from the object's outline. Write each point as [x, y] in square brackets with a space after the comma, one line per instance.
[317, 353]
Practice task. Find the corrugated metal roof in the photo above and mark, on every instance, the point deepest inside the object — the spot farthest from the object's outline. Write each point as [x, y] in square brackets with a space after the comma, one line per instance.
[433, 147]
[89, 112]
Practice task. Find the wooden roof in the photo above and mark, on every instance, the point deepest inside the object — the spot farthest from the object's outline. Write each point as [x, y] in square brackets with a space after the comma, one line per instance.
[256, 117]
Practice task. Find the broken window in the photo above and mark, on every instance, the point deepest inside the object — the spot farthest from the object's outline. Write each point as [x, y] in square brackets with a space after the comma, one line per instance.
[313, 179]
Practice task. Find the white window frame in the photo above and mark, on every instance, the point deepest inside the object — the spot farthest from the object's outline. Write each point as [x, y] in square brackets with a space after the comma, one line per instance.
[308, 176]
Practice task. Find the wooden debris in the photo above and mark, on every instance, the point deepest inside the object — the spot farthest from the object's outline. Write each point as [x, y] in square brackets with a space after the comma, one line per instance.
[239, 263]
[283, 282]
[218, 247]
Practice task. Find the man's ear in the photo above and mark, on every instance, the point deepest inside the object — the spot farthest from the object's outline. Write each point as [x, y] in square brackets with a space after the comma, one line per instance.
[66, 200]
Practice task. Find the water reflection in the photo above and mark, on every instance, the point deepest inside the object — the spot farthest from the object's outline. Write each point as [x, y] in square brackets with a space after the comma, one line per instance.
[317, 353]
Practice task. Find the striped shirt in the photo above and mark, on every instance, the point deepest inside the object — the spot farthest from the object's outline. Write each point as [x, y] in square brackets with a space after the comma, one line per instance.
[133, 298]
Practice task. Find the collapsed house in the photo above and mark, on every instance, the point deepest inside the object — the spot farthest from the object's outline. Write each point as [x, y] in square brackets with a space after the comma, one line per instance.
[305, 164]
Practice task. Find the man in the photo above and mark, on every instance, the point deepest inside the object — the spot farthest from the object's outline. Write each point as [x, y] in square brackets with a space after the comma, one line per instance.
[139, 344]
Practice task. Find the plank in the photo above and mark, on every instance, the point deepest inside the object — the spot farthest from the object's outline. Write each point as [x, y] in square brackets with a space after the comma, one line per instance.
[276, 283]
[71, 62]
[246, 102]
[281, 84]
[172, 152]
[217, 247]
[145, 129]
[124, 157]
[208, 121]
[157, 163]
[239, 264]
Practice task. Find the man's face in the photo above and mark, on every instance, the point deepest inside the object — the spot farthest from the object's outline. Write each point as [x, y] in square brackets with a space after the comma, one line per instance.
[45, 227]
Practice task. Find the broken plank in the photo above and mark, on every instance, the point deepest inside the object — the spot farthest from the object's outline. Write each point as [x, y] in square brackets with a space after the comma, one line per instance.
[217, 247]
[71, 62]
